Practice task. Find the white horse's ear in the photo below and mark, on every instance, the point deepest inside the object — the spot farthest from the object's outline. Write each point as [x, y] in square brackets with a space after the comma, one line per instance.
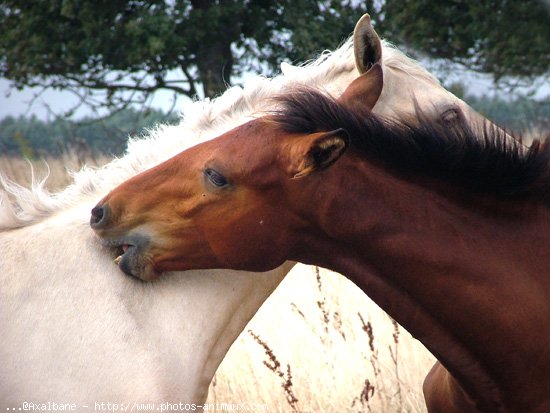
[317, 152]
[366, 45]
[365, 90]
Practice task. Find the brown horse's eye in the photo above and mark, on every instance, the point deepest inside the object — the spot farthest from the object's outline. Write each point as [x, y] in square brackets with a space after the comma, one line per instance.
[216, 178]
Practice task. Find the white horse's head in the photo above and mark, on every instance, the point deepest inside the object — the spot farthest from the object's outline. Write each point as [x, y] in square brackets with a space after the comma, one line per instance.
[407, 86]
[70, 314]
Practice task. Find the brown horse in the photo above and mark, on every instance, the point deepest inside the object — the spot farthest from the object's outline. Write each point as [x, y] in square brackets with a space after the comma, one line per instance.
[445, 227]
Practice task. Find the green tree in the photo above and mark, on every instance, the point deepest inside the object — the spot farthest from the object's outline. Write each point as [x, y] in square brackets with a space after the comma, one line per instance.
[518, 115]
[107, 47]
[501, 37]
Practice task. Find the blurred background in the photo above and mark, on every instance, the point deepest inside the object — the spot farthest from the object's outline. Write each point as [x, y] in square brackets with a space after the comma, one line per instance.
[79, 76]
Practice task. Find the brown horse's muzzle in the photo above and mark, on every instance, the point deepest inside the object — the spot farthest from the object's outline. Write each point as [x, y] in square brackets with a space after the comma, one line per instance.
[132, 246]
[100, 216]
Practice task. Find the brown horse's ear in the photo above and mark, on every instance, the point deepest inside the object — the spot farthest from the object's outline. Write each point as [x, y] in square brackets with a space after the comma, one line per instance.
[317, 152]
[366, 45]
[365, 90]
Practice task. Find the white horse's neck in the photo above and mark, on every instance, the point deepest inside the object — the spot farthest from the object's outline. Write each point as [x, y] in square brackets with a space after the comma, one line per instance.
[64, 303]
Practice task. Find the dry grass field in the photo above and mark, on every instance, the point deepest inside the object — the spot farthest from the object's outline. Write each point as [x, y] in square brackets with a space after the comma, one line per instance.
[320, 345]
[317, 345]
[56, 169]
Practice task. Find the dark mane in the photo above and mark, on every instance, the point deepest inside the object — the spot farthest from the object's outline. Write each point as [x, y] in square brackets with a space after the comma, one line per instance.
[487, 161]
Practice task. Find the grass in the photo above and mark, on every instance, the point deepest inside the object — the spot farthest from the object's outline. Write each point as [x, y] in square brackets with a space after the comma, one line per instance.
[318, 344]
[57, 169]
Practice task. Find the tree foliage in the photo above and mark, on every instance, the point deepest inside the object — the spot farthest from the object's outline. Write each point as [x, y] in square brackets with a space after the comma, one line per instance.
[117, 52]
[140, 46]
[501, 37]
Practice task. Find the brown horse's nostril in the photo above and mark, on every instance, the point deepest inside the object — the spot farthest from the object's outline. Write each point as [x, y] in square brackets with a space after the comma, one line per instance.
[100, 216]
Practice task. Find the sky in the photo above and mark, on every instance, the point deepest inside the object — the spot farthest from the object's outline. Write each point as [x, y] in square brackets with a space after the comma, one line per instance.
[52, 102]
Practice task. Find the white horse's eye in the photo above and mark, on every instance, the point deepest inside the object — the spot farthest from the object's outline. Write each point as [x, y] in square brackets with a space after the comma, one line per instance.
[451, 114]
[216, 178]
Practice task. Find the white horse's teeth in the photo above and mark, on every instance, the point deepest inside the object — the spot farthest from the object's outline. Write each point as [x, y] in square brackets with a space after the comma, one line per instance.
[118, 259]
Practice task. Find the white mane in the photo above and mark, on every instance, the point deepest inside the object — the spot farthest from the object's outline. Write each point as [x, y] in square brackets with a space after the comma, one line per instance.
[21, 206]
[395, 59]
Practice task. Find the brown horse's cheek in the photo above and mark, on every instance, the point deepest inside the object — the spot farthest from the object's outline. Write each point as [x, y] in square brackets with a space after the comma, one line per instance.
[187, 253]
[261, 250]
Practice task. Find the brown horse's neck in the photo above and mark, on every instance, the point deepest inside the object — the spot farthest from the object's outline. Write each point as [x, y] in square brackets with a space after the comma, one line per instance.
[471, 284]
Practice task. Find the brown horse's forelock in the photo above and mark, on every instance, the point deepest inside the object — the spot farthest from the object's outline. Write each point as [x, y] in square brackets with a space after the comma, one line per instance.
[486, 161]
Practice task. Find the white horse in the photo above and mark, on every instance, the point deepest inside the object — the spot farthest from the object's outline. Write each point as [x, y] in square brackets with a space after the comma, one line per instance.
[75, 329]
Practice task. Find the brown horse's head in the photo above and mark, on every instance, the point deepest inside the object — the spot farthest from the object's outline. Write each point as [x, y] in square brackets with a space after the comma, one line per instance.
[220, 204]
